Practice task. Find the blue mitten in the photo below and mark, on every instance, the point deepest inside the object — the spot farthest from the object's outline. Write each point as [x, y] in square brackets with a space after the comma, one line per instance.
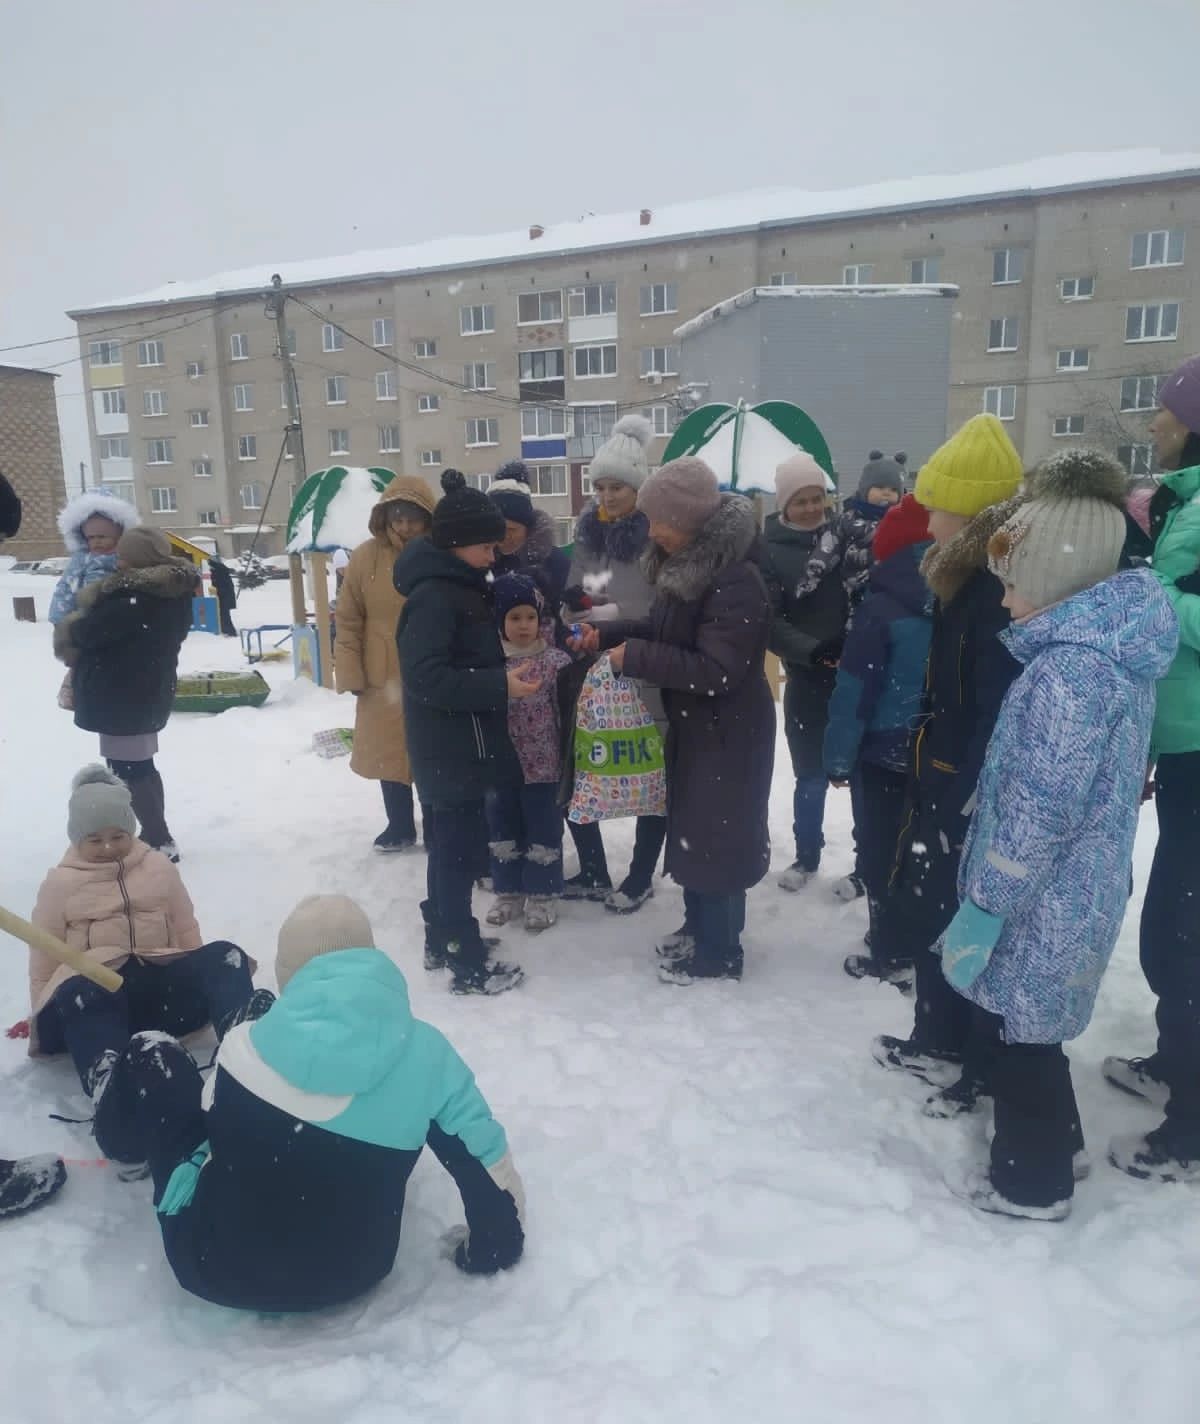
[967, 944]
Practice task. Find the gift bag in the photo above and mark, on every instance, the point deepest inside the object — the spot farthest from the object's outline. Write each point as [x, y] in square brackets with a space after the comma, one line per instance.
[619, 765]
[66, 693]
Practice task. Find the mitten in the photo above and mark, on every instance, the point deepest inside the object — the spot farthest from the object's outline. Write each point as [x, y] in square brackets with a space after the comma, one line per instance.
[967, 945]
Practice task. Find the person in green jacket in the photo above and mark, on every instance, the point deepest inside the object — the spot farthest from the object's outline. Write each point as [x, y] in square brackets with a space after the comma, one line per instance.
[1170, 928]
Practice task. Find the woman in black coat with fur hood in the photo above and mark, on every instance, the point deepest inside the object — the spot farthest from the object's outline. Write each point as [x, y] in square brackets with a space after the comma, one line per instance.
[123, 643]
[703, 643]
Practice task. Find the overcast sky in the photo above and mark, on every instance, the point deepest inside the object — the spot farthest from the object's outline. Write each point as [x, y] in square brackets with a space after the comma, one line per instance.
[145, 140]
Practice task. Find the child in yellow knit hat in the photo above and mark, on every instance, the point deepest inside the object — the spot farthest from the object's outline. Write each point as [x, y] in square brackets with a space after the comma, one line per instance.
[970, 488]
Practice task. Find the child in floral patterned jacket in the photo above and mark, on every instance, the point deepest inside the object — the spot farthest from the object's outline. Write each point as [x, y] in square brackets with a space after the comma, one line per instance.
[524, 822]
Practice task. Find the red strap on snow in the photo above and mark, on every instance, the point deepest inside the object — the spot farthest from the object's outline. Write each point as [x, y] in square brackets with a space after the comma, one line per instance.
[19, 1030]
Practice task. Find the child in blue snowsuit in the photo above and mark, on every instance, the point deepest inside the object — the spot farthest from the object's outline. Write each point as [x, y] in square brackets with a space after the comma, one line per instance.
[90, 525]
[1045, 871]
[873, 712]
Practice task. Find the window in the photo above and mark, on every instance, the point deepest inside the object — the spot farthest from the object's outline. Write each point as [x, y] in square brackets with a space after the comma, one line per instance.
[660, 360]
[389, 438]
[114, 447]
[113, 402]
[539, 422]
[154, 402]
[548, 479]
[335, 390]
[1139, 393]
[595, 361]
[383, 331]
[480, 376]
[198, 418]
[783, 279]
[252, 495]
[427, 404]
[385, 385]
[104, 353]
[924, 269]
[247, 447]
[431, 457]
[541, 365]
[482, 483]
[1159, 322]
[1001, 401]
[659, 417]
[1068, 425]
[596, 299]
[1008, 266]
[209, 517]
[331, 338]
[239, 346]
[163, 499]
[195, 369]
[243, 397]
[660, 297]
[1002, 333]
[202, 469]
[475, 321]
[586, 487]
[283, 393]
[1077, 289]
[534, 307]
[857, 274]
[593, 420]
[150, 353]
[1137, 459]
[339, 442]
[1073, 358]
[1161, 248]
[484, 431]
[424, 348]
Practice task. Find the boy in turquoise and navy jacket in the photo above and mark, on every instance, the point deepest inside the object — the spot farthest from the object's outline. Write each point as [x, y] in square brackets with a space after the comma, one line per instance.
[283, 1189]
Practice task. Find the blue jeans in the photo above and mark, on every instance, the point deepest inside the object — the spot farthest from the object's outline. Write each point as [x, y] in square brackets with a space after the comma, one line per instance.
[808, 818]
[805, 714]
[525, 839]
[202, 986]
[716, 923]
[456, 839]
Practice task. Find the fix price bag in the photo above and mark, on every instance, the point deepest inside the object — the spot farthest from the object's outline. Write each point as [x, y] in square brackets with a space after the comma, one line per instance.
[619, 764]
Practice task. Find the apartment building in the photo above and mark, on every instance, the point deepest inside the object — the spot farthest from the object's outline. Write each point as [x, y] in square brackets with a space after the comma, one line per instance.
[1077, 280]
[31, 458]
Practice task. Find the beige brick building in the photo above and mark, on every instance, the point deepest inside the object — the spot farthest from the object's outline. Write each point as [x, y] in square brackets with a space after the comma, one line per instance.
[31, 458]
[1077, 283]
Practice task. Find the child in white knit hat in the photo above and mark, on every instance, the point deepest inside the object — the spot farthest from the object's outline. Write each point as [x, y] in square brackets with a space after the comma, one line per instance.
[1045, 870]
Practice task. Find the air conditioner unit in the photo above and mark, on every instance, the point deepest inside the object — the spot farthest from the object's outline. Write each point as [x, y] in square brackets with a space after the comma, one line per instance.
[654, 377]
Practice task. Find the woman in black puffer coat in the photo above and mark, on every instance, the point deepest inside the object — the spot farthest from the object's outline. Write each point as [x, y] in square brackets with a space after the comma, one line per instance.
[123, 643]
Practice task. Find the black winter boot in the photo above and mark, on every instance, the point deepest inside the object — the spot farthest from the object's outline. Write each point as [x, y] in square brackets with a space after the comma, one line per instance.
[28, 1182]
[435, 942]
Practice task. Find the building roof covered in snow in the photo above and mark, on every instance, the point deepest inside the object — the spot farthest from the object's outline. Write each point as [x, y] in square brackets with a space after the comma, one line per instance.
[762, 208]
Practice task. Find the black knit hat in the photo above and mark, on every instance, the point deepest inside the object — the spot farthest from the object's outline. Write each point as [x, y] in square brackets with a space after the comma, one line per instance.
[510, 490]
[464, 516]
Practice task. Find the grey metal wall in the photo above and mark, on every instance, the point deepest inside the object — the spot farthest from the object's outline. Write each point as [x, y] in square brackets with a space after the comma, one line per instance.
[872, 371]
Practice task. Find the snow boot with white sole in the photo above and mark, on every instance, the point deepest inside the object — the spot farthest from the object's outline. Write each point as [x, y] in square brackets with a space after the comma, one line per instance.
[795, 877]
[29, 1182]
[1153, 1157]
[955, 1101]
[866, 966]
[1138, 1077]
[939, 1070]
[849, 888]
[540, 913]
[693, 968]
[977, 1189]
[586, 887]
[677, 945]
[505, 908]
[628, 899]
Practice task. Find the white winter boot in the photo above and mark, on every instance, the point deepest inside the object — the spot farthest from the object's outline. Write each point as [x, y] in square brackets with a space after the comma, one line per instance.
[540, 913]
[505, 908]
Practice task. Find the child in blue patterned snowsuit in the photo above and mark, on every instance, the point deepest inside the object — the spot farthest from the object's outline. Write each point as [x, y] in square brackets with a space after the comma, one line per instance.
[90, 525]
[1045, 870]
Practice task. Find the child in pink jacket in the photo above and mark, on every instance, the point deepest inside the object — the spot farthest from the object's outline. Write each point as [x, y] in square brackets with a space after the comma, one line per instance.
[124, 905]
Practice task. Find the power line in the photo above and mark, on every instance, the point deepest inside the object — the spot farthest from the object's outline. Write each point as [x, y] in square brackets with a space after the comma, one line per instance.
[103, 331]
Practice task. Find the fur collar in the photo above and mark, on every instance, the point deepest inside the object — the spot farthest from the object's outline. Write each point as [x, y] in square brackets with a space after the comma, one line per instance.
[76, 513]
[725, 539]
[537, 548]
[174, 580]
[621, 541]
[947, 567]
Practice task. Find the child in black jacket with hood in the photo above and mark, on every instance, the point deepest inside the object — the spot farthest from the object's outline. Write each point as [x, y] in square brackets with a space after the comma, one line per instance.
[456, 691]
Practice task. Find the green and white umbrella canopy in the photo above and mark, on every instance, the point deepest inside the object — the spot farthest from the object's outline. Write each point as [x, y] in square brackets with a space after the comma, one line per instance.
[744, 444]
[332, 507]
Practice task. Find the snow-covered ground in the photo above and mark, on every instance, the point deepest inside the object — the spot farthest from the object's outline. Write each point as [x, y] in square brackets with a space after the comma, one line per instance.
[733, 1212]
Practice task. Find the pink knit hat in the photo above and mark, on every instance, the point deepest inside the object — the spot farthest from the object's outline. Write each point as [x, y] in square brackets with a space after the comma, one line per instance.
[799, 471]
[683, 493]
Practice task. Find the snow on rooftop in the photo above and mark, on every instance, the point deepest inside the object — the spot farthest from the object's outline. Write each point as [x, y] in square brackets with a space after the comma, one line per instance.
[809, 289]
[737, 211]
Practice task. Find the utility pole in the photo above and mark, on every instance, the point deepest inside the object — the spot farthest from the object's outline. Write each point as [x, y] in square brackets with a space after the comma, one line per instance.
[277, 307]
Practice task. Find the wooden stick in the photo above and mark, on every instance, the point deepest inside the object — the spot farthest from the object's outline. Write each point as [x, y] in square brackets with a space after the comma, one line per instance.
[53, 946]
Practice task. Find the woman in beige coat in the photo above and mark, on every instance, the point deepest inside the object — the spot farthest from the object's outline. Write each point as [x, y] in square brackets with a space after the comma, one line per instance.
[365, 659]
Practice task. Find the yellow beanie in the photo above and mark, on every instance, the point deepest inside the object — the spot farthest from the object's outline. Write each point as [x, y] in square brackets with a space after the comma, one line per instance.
[976, 468]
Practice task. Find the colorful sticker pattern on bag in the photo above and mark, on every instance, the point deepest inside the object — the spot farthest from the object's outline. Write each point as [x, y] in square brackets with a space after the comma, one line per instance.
[619, 764]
